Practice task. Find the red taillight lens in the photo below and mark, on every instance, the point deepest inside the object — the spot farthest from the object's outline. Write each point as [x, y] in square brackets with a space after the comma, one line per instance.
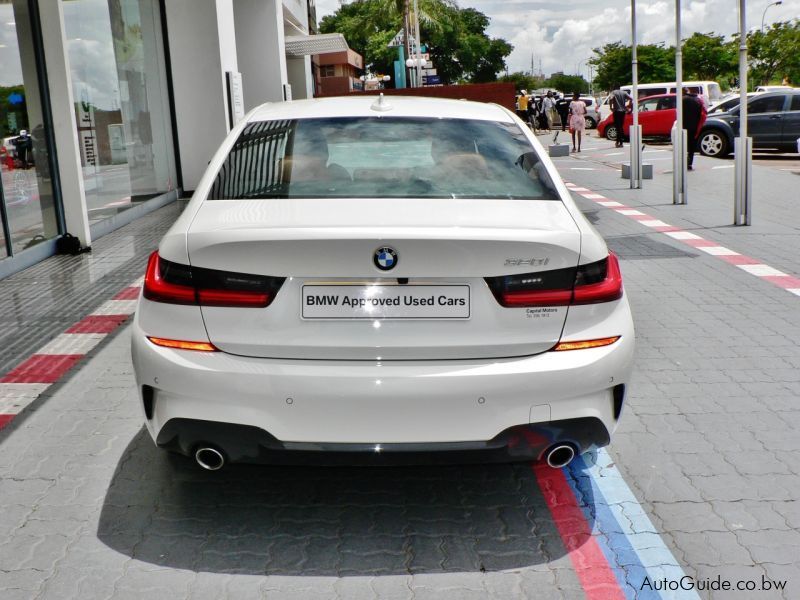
[174, 283]
[233, 298]
[159, 288]
[595, 284]
[600, 281]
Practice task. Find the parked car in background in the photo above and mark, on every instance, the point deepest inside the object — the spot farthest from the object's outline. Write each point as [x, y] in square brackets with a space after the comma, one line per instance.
[592, 114]
[773, 121]
[709, 91]
[773, 88]
[728, 103]
[656, 116]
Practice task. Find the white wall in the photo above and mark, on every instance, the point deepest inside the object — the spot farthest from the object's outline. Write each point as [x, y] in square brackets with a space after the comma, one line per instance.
[299, 72]
[202, 44]
[260, 48]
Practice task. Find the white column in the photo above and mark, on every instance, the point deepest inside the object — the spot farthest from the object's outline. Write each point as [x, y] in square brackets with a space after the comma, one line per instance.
[65, 130]
[299, 72]
[202, 44]
[261, 50]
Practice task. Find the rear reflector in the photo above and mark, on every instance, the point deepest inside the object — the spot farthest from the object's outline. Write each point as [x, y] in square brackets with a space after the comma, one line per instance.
[595, 282]
[183, 345]
[174, 283]
[583, 345]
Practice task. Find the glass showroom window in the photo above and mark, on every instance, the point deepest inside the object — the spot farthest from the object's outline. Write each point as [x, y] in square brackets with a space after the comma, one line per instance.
[27, 208]
[121, 104]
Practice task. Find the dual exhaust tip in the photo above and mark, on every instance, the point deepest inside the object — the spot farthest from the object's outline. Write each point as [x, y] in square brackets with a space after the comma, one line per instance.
[559, 455]
[211, 459]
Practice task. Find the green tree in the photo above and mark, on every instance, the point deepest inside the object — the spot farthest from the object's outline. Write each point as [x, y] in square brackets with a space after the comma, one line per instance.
[708, 57]
[775, 53]
[613, 63]
[456, 38]
[568, 83]
[523, 81]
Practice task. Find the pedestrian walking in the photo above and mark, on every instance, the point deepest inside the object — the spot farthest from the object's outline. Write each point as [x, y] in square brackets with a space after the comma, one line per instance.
[549, 106]
[562, 108]
[577, 120]
[522, 105]
[694, 116]
[619, 103]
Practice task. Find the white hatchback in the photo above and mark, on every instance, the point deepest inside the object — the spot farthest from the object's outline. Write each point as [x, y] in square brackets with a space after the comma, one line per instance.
[367, 279]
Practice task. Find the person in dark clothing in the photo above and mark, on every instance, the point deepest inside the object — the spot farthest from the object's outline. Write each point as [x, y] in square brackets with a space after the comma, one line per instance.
[23, 145]
[694, 116]
[619, 103]
[532, 112]
[562, 108]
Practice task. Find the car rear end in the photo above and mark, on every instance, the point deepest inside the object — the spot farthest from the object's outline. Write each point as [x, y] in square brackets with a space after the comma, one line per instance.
[363, 280]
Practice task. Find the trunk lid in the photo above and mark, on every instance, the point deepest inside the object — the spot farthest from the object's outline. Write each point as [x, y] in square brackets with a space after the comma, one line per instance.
[326, 249]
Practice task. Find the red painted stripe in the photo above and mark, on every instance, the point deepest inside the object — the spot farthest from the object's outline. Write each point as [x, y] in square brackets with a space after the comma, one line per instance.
[98, 324]
[665, 228]
[128, 293]
[5, 420]
[641, 217]
[42, 368]
[739, 259]
[591, 566]
[787, 282]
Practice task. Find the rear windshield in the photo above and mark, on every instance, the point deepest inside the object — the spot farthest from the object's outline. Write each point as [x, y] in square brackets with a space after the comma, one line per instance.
[382, 157]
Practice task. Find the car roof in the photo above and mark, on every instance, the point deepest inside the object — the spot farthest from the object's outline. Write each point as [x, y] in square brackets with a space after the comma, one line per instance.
[361, 106]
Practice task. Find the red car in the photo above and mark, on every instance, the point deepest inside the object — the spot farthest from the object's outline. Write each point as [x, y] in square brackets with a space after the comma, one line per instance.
[656, 116]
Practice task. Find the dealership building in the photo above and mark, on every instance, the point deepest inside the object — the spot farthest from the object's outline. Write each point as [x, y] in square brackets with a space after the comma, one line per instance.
[125, 101]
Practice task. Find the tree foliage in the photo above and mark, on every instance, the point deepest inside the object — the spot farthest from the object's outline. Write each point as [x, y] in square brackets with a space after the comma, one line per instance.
[772, 56]
[708, 57]
[456, 38]
[613, 64]
[523, 81]
[567, 83]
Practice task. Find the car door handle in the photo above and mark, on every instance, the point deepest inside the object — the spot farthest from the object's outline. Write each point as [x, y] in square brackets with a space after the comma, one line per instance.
[776, 117]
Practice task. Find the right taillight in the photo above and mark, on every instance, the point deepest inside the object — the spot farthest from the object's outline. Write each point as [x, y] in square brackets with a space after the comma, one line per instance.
[592, 283]
[173, 283]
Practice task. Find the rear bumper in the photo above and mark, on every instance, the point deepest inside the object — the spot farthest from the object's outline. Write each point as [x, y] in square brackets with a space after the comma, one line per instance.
[245, 443]
[349, 406]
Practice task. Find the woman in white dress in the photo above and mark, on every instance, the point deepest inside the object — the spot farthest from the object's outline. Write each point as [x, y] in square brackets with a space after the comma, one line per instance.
[577, 119]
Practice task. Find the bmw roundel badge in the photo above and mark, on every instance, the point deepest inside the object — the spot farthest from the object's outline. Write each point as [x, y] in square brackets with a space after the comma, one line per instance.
[385, 258]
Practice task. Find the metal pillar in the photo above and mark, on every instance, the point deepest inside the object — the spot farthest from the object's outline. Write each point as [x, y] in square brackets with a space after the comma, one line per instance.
[743, 145]
[419, 44]
[636, 130]
[679, 192]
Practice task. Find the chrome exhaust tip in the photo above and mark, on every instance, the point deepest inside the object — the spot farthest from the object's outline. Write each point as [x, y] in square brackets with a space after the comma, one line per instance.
[210, 459]
[560, 455]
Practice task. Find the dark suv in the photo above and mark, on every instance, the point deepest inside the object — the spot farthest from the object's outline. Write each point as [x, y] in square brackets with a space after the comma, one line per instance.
[773, 121]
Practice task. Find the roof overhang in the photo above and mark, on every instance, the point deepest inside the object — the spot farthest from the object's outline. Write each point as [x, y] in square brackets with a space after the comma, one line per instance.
[304, 45]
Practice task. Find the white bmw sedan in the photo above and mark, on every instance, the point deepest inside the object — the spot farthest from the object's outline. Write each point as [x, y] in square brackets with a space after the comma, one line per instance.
[371, 279]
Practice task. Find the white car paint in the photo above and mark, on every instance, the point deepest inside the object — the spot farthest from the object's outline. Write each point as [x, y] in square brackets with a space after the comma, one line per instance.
[384, 380]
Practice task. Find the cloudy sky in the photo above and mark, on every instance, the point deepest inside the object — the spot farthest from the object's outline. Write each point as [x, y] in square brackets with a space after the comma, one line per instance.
[562, 34]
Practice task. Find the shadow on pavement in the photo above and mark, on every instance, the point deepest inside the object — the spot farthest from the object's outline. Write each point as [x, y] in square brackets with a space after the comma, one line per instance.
[164, 510]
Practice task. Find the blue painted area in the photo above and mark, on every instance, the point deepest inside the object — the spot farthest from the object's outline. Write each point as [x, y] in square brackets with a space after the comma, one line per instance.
[16, 98]
[611, 538]
[627, 537]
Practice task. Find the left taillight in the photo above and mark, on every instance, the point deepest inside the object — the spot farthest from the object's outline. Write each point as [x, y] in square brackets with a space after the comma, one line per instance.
[173, 283]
